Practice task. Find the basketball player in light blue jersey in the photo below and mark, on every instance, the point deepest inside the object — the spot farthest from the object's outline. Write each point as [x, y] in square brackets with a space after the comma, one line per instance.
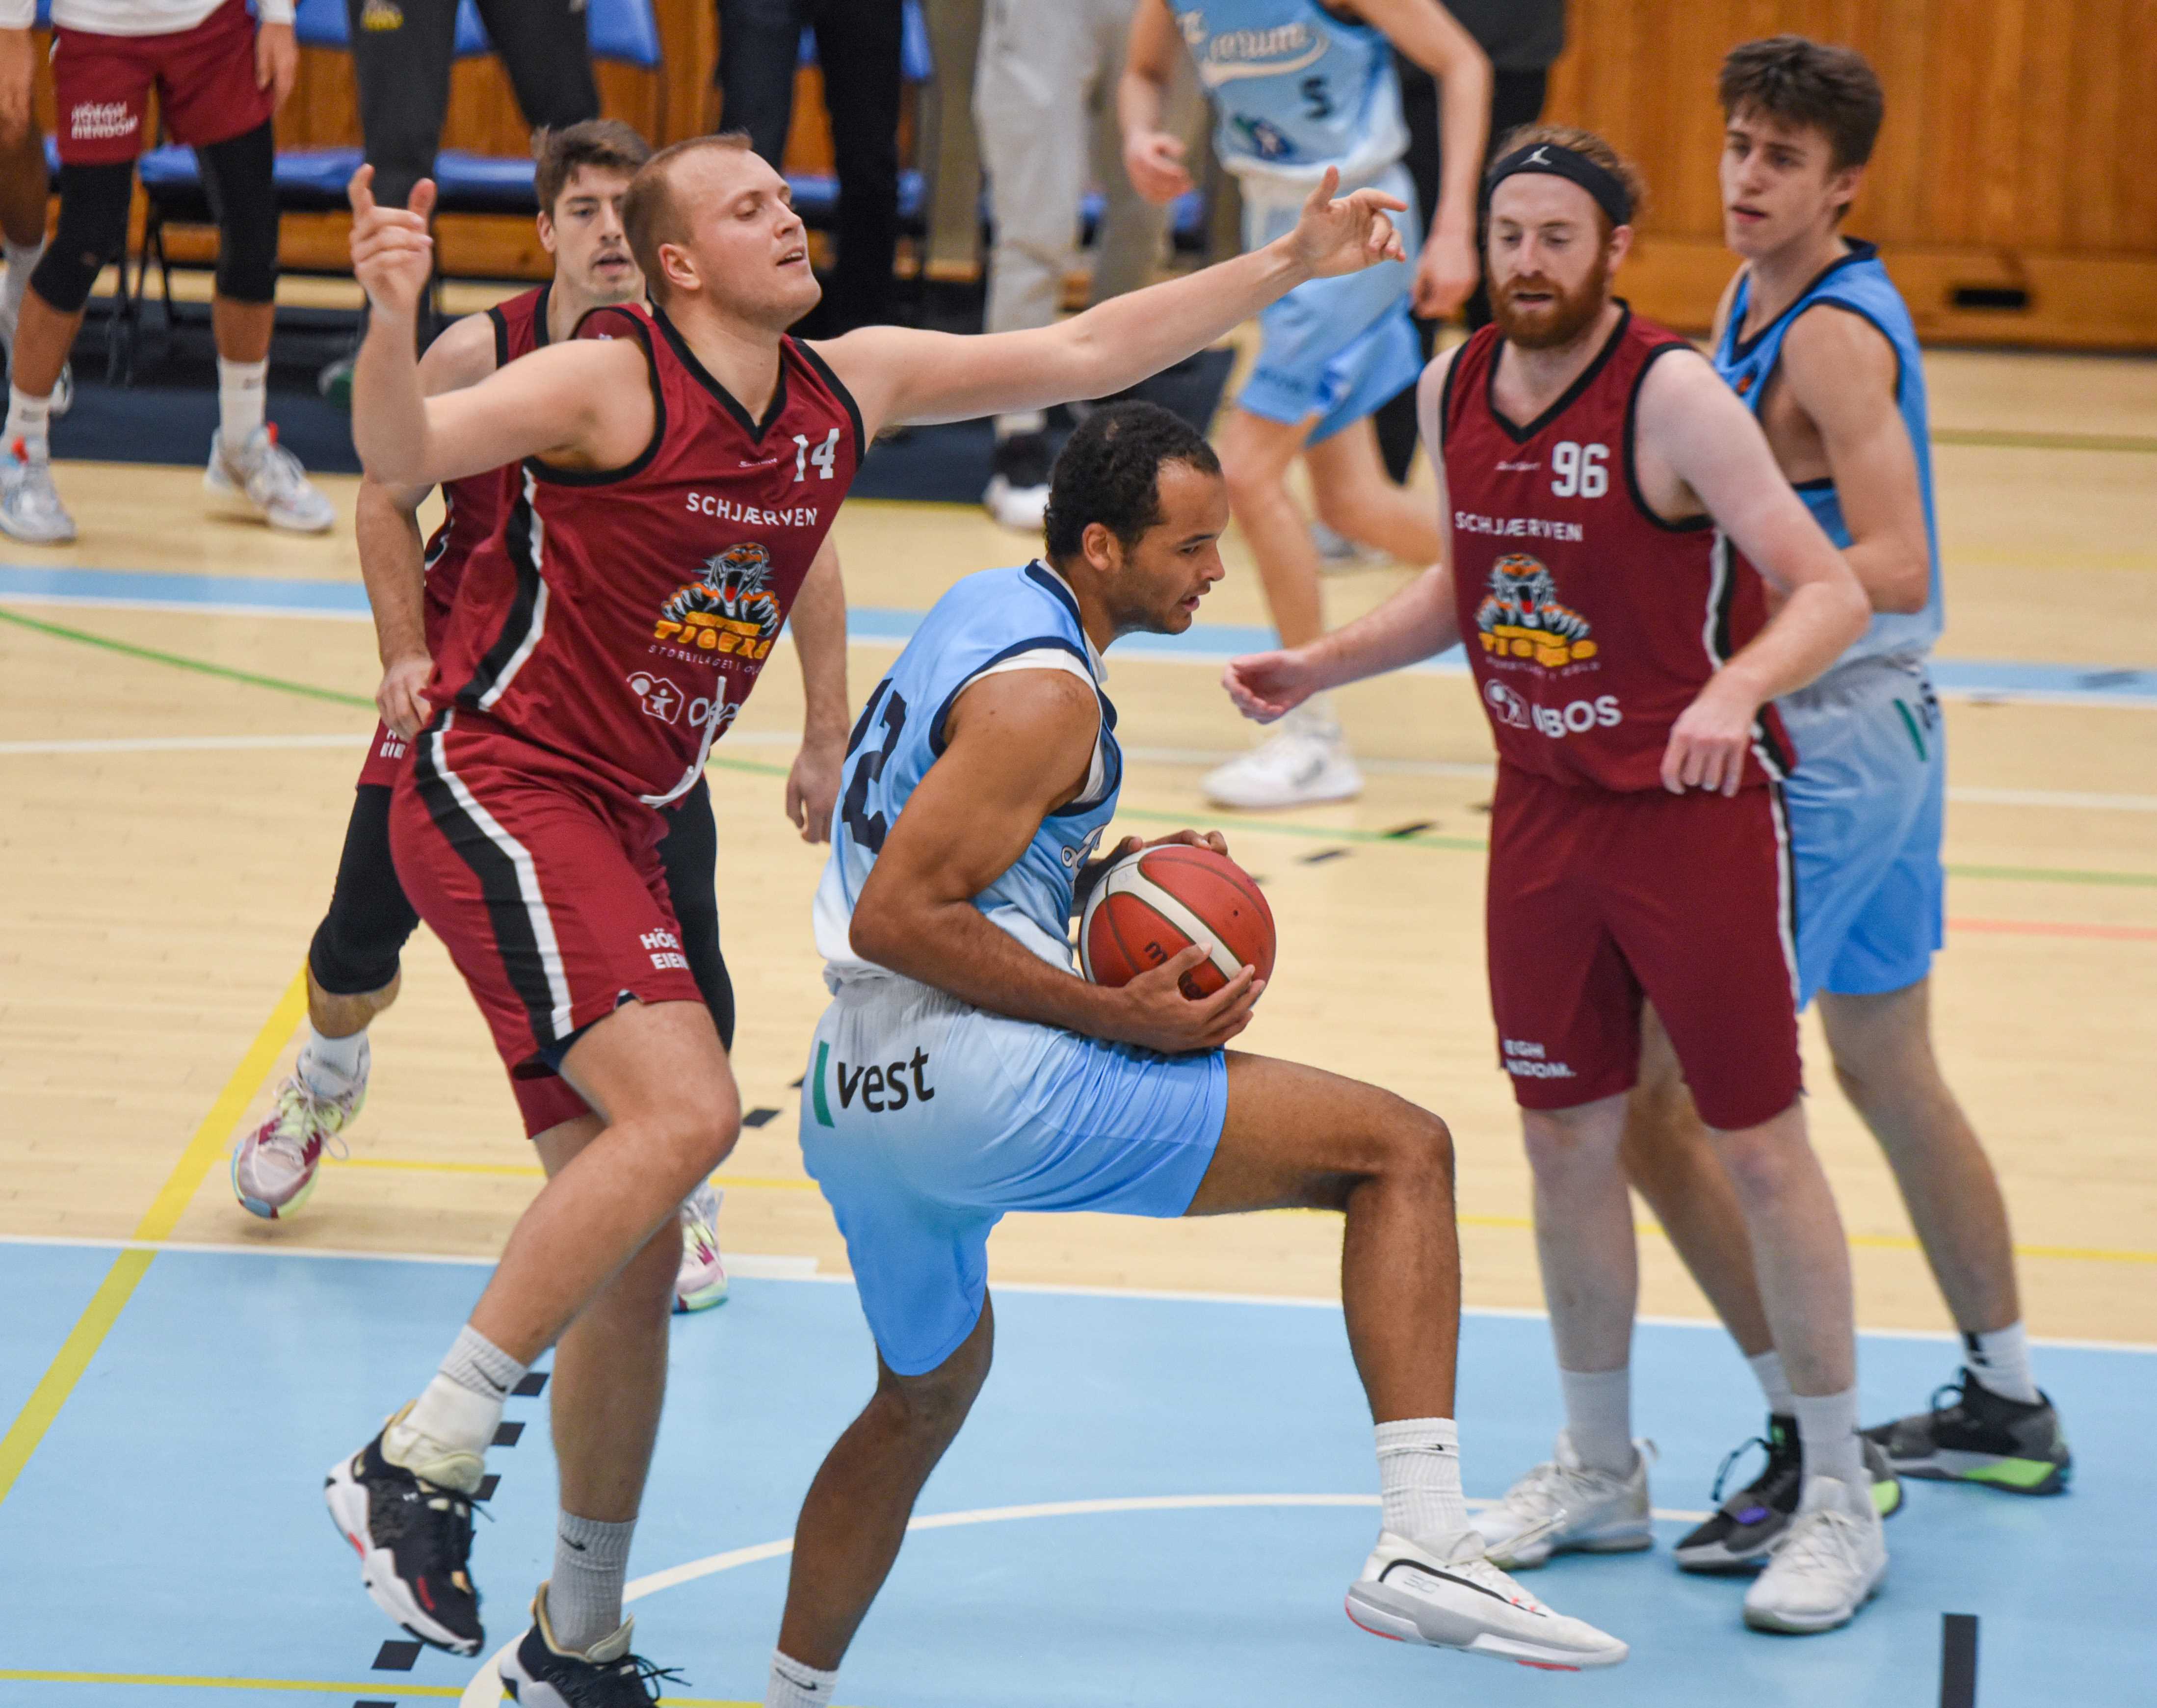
[1299, 86]
[1815, 337]
[963, 1069]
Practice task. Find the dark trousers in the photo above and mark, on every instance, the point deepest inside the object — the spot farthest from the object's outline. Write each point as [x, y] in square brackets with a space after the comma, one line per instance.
[858, 46]
[403, 77]
[1516, 98]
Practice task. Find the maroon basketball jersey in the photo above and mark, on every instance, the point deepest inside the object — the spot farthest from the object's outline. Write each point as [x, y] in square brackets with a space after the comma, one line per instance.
[1590, 623]
[472, 507]
[621, 618]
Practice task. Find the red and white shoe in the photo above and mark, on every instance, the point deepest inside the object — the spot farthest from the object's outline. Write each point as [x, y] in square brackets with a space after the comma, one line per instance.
[274, 1167]
[701, 1283]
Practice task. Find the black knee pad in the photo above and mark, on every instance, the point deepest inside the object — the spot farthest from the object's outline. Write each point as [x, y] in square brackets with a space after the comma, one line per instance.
[690, 855]
[240, 175]
[356, 947]
[93, 229]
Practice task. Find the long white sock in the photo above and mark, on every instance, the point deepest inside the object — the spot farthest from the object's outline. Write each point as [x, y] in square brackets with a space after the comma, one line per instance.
[1025, 421]
[583, 1596]
[462, 1407]
[1774, 1383]
[332, 1067]
[1419, 1478]
[794, 1685]
[1598, 1417]
[2000, 1359]
[1827, 1435]
[243, 400]
[27, 418]
[22, 258]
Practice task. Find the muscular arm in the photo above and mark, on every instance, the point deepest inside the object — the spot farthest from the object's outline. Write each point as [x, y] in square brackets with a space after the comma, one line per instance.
[1153, 159]
[1841, 374]
[1017, 746]
[1425, 31]
[819, 622]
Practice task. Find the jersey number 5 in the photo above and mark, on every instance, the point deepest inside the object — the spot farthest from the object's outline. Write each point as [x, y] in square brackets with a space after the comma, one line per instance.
[1579, 470]
[824, 456]
[867, 827]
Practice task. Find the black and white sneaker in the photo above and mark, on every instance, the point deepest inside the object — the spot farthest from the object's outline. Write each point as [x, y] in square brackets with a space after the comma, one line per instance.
[1017, 495]
[414, 1537]
[1978, 1437]
[1743, 1530]
[538, 1674]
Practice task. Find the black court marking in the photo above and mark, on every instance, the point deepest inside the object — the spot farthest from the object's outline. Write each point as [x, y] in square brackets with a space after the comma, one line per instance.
[532, 1385]
[1958, 1660]
[757, 1118]
[1410, 829]
[794, 1084]
[487, 1484]
[506, 1434]
[396, 1655]
[1322, 855]
[373, 1702]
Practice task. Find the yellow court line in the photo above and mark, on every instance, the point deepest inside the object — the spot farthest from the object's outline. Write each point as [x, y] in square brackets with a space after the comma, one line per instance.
[158, 1222]
[321, 1687]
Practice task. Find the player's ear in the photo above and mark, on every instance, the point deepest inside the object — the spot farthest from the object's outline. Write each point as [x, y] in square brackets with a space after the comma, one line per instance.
[547, 230]
[1103, 551]
[1621, 246]
[1844, 186]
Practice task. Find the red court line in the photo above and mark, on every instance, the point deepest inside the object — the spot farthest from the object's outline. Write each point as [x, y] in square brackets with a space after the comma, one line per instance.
[2038, 928]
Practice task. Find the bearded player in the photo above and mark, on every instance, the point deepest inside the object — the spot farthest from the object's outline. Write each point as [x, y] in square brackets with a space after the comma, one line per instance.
[1637, 837]
[571, 706]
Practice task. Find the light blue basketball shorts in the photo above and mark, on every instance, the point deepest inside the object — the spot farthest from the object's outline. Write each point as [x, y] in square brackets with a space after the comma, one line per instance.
[1866, 807]
[1335, 348]
[926, 1120]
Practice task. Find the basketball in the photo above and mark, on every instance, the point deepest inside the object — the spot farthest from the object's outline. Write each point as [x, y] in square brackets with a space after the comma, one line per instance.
[1152, 904]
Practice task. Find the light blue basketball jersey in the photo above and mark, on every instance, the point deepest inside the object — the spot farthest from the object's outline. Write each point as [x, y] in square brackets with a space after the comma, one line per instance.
[997, 619]
[1296, 89]
[1857, 284]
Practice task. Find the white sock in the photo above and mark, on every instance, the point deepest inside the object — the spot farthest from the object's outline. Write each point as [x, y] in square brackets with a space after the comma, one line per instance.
[243, 399]
[329, 1067]
[1774, 1383]
[462, 1407]
[794, 1685]
[1314, 715]
[1598, 1417]
[22, 258]
[1012, 426]
[2000, 1360]
[1419, 1478]
[583, 1596]
[1827, 1436]
[26, 425]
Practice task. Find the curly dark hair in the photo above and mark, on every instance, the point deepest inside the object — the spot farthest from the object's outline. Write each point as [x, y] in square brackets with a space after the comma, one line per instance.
[1110, 472]
[1805, 83]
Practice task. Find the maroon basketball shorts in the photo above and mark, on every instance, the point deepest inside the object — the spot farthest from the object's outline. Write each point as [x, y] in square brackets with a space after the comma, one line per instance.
[1597, 899]
[384, 762]
[204, 78]
[547, 892]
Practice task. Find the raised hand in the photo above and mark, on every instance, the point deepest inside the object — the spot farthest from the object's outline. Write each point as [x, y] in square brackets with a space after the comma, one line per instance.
[1347, 234]
[1446, 276]
[1268, 684]
[393, 253]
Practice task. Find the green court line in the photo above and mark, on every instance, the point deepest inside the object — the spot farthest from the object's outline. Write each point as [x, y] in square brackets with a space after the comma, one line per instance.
[2003, 439]
[1266, 827]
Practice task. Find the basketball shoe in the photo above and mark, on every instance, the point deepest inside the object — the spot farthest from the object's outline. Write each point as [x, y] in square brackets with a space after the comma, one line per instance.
[1457, 1599]
[1980, 1437]
[1564, 1507]
[1825, 1567]
[30, 508]
[411, 1526]
[536, 1673]
[1743, 1530]
[274, 1167]
[1017, 495]
[268, 478]
[701, 1282]
[1304, 762]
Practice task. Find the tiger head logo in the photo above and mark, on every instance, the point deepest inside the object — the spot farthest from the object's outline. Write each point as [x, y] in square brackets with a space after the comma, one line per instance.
[731, 585]
[1521, 615]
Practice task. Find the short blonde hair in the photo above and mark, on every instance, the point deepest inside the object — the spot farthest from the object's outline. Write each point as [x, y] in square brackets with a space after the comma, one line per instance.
[651, 215]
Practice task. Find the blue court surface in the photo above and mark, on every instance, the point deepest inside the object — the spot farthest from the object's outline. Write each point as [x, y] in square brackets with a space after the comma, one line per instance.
[1204, 1466]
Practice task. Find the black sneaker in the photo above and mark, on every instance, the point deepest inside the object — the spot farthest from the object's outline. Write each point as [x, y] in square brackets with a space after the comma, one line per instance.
[1017, 495]
[537, 1675]
[1744, 1529]
[1978, 1437]
[414, 1539]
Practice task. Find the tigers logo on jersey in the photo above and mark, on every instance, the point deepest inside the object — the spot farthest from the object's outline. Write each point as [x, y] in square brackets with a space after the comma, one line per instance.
[727, 607]
[1521, 616]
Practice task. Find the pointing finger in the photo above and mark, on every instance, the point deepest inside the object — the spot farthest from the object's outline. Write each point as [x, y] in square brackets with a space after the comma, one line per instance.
[360, 191]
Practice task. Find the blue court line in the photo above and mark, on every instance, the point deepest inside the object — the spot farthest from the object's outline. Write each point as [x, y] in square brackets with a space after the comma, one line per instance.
[1203, 643]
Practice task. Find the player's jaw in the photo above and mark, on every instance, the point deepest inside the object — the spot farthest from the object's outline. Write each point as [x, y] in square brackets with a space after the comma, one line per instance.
[1778, 188]
[1170, 567]
[1539, 310]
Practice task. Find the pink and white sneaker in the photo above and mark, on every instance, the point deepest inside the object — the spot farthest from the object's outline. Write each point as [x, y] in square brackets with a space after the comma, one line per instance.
[273, 1167]
[701, 1283]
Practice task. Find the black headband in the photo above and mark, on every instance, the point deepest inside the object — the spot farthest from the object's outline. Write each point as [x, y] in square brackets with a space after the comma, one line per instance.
[1561, 162]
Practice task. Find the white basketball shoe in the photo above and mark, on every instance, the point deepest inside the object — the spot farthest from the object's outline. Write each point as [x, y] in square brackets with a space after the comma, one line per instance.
[274, 1167]
[1564, 1506]
[268, 478]
[701, 1283]
[1304, 762]
[1457, 1599]
[1825, 1566]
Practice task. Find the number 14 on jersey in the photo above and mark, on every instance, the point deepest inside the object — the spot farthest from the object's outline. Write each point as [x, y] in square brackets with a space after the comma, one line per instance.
[823, 455]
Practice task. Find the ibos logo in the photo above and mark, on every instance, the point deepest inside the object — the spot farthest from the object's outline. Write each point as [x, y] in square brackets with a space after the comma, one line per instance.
[1508, 708]
[1579, 717]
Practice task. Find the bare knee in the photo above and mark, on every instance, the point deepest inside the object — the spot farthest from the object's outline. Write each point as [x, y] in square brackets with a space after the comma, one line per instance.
[1420, 1152]
[927, 1410]
[1762, 1161]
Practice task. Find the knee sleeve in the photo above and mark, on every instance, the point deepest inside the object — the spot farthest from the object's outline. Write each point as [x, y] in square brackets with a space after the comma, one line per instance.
[356, 947]
[690, 855]
[93, 229]
[240, 175]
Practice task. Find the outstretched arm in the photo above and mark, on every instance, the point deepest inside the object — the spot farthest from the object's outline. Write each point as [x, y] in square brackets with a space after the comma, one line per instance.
[1425, 31]
[1017, 746]
[897, 373]
[819, 622]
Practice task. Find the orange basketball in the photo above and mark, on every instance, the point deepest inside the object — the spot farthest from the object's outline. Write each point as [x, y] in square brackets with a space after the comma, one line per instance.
[1151, 905]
